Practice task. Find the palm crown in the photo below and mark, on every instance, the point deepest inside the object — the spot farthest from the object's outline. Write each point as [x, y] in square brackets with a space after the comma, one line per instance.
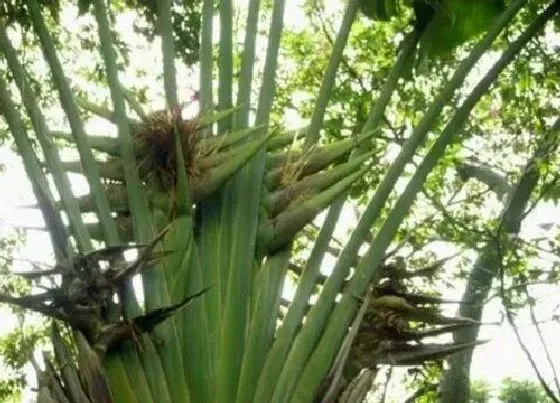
[212, 206]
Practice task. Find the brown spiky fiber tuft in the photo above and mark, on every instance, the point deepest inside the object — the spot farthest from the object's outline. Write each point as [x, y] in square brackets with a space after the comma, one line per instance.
[155, 147]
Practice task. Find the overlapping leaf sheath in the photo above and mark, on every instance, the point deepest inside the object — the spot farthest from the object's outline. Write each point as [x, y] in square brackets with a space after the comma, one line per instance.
[209, 162]
[299, 185]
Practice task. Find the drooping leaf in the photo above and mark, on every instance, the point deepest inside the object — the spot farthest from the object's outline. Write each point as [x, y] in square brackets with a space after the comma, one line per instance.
[455, 22]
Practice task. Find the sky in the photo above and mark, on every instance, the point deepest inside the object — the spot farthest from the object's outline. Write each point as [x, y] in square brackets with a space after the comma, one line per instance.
[501, 357]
